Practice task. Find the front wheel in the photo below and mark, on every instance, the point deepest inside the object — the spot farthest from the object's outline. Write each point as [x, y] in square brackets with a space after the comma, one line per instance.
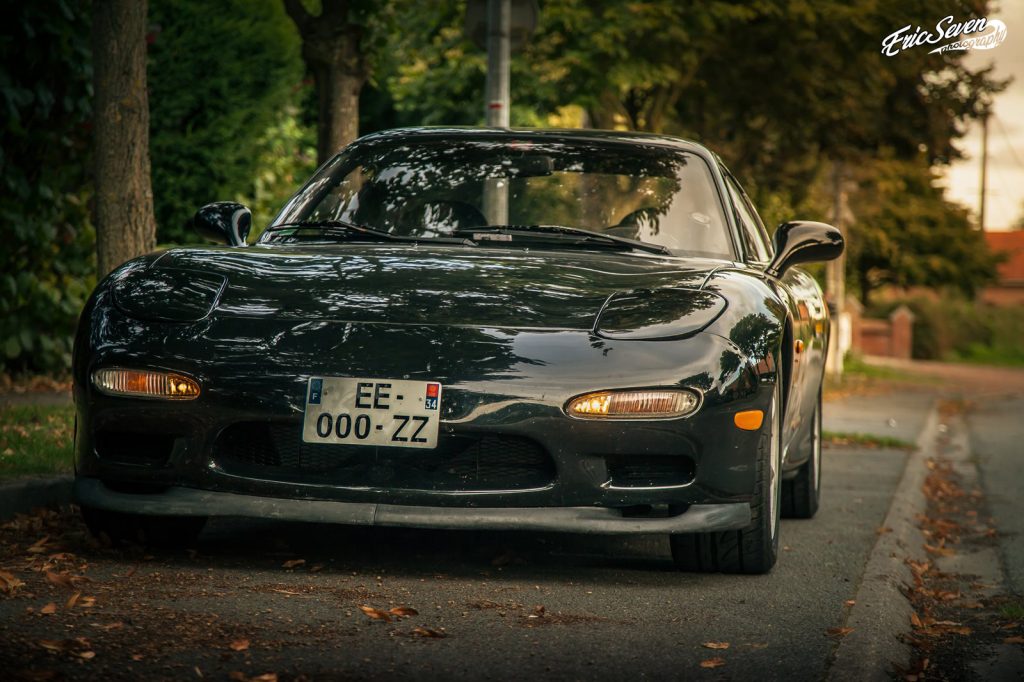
[755, 548]
[156, 531]
[802, 493]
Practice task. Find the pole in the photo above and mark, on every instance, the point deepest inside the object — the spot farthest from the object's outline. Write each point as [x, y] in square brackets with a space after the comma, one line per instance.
[984, 170]
[499, 19]
[835, 280]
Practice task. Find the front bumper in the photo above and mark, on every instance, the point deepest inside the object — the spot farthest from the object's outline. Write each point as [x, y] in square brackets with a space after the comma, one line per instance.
[178, 501]
[509, 385]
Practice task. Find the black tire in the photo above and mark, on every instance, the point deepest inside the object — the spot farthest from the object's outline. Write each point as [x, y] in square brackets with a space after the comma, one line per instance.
[802, 494]
[755, 548]
[118, 528]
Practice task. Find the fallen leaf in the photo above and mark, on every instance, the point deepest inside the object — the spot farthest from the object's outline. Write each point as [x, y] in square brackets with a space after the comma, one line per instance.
[939, 551]
[87, 602]
[716, 662]
[87, 655]
[265, 677]
[376, 614]
[237, 676]
[849, 602]
[65, 579]
[39, 547]
[292, 563]
[137, 657]
[9, 583]
[538, 611]
[915, 620]
[1016, 639]
[110, 626]
[960, 630]
[882, 530]
[838, 632]
[199, 673]
[72, 600]
[51, 644]
[316, 568]
[404, 611]
[239, 645]
[49, 608]
[427, 632]
[715, 645]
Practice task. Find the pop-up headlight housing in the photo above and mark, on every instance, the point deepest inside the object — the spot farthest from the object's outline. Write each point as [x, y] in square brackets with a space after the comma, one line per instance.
[168, 294]
[656, 314]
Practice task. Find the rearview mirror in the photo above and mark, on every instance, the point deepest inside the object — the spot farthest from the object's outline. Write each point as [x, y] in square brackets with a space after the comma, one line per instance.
[226, 222]
[803, 241]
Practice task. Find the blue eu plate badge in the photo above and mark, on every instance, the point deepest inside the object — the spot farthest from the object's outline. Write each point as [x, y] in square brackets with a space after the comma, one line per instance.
[316, 390]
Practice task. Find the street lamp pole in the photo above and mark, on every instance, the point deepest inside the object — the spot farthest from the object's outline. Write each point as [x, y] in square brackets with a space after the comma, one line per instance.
[499, 47]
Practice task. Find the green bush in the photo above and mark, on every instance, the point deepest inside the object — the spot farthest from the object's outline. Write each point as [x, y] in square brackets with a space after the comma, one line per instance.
[47, 261]
[220, 76]
[952, 328]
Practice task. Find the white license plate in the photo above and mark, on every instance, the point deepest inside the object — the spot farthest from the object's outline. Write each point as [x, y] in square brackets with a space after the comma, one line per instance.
[389, 412]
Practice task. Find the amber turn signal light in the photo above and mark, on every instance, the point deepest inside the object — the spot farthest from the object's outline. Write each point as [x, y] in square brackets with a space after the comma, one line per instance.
[142, 383]
[749, 420]
[652, 404]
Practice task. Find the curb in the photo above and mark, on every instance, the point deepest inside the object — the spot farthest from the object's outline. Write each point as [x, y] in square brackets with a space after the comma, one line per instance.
[23, 495]
[882, 613]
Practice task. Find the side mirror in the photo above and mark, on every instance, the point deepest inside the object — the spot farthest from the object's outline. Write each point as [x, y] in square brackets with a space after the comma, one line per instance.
[224, 221]
[803, 241]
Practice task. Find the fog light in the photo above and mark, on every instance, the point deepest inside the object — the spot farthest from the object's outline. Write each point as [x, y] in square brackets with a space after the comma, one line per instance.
[658, 404]
[145, 384]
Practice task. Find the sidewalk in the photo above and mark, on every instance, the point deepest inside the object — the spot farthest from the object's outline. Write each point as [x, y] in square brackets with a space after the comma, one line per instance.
[982, 412]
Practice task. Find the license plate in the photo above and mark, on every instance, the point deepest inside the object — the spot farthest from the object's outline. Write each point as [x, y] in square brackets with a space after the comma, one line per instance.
[389, 412]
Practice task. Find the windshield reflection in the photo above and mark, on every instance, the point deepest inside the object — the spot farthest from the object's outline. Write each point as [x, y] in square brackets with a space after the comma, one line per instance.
[430, 187]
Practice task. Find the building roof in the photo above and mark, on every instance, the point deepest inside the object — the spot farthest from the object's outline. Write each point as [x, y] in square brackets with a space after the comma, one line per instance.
[1011, 271]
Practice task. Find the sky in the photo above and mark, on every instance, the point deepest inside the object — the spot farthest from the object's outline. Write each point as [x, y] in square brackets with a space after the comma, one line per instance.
[1004, 205]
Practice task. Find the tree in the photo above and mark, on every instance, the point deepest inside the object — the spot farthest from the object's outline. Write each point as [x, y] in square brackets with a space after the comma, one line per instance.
[48, 257]
[334, 52]
[908, 234]
[123, 201]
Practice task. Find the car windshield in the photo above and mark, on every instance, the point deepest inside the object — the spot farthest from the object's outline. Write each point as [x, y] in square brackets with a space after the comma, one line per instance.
[429, 188]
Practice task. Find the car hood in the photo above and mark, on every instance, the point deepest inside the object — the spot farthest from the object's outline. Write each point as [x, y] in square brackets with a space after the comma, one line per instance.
[539, 289]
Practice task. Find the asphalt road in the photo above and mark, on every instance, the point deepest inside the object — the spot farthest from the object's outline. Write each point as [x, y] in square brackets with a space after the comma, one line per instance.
[611, 608]
[997, 443]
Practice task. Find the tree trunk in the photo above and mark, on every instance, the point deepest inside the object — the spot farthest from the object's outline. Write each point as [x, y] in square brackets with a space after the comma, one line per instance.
[123, 203]
[338, 120]
[332, 51]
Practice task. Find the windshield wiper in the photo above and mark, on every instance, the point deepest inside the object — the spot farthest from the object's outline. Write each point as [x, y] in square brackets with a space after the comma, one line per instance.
[560, 232]
[345, 229]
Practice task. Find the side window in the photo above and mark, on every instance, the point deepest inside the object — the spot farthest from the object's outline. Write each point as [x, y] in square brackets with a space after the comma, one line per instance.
[751, 229]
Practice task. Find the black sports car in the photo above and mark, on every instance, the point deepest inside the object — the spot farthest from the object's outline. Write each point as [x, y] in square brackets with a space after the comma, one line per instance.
[470, 328]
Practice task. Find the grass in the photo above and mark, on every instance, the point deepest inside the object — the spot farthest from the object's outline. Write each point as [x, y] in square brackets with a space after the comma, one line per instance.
[35, 439]
[858, 376]
[864, 440]
[1001, 354]
[1013, 610]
